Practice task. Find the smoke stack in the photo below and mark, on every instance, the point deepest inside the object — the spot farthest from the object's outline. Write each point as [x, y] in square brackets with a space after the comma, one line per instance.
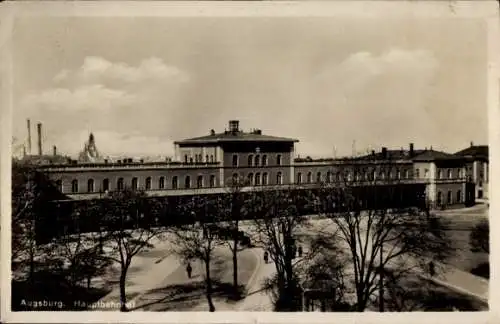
[39, 129]
[54, 149]
[29, 136]
[411, 149]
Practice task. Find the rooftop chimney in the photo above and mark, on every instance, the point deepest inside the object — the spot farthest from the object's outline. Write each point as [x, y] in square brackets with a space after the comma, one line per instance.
[39, 130]
[54, 149]
[411, 149]
[234, 126]
[384, 152]
[471, 143]
[212, 132]
[29, 136]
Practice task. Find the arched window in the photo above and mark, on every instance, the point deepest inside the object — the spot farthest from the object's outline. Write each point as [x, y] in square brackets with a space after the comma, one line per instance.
[449, 198]
[250, 160]
[105, 184]
[257, 179]
[187, 182]
[250, 179]
[459, 196]
[279, 178]
[299, 178]
[161, 183]
[135, 183]
[199, 181]
[59, 185]
[235, 160]
[148, 183]
[185, 158]
[278, 159]
[264, 160]
[119, 184]
[74, 186]
[309, 177]
[212, 181]
[318, 177]
[264, 179]
[257, 160]
[175, 183]
[90, 185]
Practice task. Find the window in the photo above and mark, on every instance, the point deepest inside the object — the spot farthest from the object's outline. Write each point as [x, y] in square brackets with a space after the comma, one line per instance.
[426, 173]
[318, 177]
[175, 184]
[337, 176]
[74, 186]
[264, 160]
[382, 175]
[439, 198]
[309, 177]
[191, 160]
[299, 178]
[328, 176]
[279, 178]
[200, 158]
[199, 182]
[257, 160]
[90, 185]
[450, 175]
[250, 160]
[105, 184]
[449, 197]
[417, 173]
[206, 158]
[187, 182]
[264, 179]
[119, 184]
[459, 196]
[161, 183]
[185, 158]
[250, 178]
[235, 160]
[348, 176]
[211, 158]
[148, 183]
[398, 174]
[135, 183]
[440, 174]
[257, 179]
[59, 185]
[357, 176]
[278, 159]
[373, 175]
[389, 176]
[212, 181]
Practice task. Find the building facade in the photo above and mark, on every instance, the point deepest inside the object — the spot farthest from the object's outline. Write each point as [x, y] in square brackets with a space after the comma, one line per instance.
[206, 164]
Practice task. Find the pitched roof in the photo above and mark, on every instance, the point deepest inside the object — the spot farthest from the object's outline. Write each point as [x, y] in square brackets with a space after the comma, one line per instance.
[475, 151]
[432, 155]
[235, 137]
[390, 155]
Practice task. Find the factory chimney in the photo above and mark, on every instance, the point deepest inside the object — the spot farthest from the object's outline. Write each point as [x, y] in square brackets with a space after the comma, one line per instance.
[412, 150]
[29, 136]
[39, 129]
[54, 149]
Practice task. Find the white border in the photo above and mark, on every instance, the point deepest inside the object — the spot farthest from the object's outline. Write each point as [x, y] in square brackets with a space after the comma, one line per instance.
[487, 10]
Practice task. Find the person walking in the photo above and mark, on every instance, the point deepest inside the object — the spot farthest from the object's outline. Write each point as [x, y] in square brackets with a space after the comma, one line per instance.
[189, 270]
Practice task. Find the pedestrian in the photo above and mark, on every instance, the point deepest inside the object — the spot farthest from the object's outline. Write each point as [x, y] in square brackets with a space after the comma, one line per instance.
[300, 251]
[266, 256]
[189, 270]
[432, 269]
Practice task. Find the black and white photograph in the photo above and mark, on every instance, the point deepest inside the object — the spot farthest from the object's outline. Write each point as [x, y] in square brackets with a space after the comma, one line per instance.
[211, 160]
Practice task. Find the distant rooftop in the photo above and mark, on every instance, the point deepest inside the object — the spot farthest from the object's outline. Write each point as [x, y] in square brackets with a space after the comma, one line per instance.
[475, 151]
[234, 134]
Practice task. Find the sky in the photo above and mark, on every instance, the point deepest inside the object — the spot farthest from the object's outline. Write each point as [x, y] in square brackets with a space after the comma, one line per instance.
[335, 84]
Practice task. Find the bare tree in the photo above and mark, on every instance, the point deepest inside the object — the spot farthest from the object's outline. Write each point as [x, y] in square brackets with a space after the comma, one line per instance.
[129, 217]
[381, 225]
[199, 239]
[277, 215]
